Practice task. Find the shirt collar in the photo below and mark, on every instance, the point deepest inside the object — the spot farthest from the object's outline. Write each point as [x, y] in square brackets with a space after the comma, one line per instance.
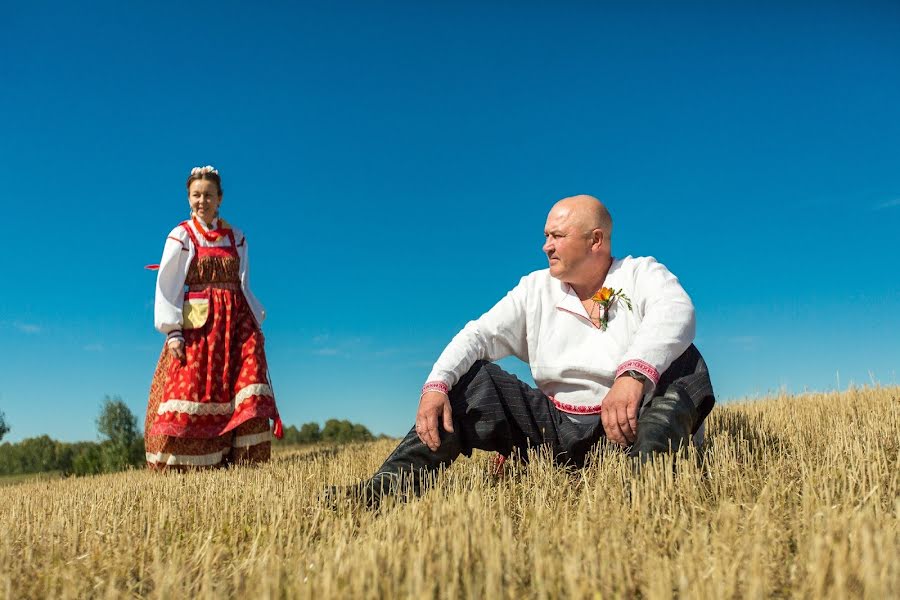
[568, 300]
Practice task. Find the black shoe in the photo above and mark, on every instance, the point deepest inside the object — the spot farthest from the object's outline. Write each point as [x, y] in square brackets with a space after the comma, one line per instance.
[667, 424]
[367, 494]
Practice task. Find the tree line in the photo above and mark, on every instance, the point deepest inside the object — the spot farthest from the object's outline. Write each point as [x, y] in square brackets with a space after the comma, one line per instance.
[335, 432]
[121, 444]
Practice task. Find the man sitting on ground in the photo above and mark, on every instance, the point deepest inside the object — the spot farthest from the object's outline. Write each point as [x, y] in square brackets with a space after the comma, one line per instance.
[609, 343]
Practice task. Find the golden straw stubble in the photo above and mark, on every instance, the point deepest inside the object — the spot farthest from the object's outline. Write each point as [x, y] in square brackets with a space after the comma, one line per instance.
[791, 496]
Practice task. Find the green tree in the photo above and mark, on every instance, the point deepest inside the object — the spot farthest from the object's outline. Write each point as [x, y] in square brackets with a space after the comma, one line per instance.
[10, 459]
[87, 459]
[310, 433]
[335, 432]
[343, 431]
[38, 454]
[360, 433]
[289, 437]
[4, 428]
[119, 434]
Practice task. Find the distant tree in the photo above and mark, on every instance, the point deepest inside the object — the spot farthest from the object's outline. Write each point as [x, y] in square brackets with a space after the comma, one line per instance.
[4, 428]
[343, 431]
[336, 432]
[42, 454]
[290, 436]
[359, 433]
[88, 459]
[10, 459]
[310, 433]
[119, 433]
[37, 454]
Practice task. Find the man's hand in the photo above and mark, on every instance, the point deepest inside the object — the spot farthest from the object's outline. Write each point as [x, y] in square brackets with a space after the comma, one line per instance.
[433, 406]
[176, 349]
[620, 408]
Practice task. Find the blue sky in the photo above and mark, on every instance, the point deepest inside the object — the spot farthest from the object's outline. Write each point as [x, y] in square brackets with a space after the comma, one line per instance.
[392, 165]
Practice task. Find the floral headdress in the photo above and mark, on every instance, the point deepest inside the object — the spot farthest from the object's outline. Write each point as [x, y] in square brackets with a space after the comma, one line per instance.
[204, 170]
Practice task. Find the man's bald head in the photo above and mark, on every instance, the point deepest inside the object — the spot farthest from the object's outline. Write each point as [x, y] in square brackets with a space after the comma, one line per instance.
[587, 212]
[577, 240]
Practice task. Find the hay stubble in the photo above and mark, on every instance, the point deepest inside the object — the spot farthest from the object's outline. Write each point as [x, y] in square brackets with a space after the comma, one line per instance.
[793, 497]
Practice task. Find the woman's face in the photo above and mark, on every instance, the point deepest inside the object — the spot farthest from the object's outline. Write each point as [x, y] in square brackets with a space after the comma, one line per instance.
[204, 198]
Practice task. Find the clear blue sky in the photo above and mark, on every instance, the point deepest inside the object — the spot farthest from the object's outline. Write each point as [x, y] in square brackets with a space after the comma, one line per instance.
[392, 165]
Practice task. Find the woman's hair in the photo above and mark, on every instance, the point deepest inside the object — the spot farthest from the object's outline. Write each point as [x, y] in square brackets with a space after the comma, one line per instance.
[208, 173]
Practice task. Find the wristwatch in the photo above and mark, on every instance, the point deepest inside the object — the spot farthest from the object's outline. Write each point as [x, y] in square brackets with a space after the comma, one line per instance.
[636, 375]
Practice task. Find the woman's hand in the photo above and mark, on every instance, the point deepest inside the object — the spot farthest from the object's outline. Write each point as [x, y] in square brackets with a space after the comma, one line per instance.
[176, 349]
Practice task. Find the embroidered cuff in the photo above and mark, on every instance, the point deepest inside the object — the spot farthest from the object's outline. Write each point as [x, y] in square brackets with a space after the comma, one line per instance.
[436, 386]
[641, 367]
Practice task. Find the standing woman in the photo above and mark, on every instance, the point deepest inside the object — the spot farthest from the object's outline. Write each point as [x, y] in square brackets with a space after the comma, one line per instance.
[210, 400]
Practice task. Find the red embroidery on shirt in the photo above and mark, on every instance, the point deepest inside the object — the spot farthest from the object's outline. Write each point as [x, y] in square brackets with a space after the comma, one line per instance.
[436, 386]
[641, 367]
[577, 409]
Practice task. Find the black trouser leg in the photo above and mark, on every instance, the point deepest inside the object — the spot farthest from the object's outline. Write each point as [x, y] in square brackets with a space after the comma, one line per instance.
[411, 462]
[674, 412]
[493, 411]
[666, 424]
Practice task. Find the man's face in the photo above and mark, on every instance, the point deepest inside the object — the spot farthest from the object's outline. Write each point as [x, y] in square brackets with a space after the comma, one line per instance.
[565, 244]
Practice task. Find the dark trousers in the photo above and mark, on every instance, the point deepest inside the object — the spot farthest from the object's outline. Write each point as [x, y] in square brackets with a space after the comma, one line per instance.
[493, 410]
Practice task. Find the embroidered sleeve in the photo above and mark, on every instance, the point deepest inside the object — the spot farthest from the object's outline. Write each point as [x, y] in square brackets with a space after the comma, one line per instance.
[436, 386]
[645, 368]
[498, 333]
[667, 324]
[176, 256]
[256, 306]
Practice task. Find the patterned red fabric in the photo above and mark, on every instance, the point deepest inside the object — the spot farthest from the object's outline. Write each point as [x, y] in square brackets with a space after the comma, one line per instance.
[224, 362]
[223, 358]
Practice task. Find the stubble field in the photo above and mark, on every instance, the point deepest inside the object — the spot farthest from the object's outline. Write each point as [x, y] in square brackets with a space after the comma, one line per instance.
[790, 497]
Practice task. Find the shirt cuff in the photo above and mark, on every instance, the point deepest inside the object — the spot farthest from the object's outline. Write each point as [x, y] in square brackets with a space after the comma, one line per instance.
[640, 366]
[436, 386]
[174, 336]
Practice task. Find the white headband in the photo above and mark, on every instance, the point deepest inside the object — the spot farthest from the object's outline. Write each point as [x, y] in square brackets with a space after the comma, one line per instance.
[203, 170]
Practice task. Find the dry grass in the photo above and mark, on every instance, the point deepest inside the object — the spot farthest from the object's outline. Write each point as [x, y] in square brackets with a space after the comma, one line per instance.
[794, 496]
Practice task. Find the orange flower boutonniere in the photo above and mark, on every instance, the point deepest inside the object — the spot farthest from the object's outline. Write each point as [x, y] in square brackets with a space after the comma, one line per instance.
[605, 299]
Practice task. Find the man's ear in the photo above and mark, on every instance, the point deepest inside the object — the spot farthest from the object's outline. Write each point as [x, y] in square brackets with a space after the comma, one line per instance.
[598, 238]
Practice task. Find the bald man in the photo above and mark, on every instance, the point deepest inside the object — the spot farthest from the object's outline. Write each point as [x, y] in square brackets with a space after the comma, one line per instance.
[609, 343]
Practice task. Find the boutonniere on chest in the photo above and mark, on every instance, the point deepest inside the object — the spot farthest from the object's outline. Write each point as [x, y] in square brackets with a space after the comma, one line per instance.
[604, 300]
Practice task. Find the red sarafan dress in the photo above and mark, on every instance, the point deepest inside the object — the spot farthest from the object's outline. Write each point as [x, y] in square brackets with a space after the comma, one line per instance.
[214, 407]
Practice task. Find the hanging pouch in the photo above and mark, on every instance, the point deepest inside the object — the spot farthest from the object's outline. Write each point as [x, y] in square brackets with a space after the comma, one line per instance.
[195, 311]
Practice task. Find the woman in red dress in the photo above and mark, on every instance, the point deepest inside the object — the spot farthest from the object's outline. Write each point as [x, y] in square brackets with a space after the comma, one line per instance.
[210, 400]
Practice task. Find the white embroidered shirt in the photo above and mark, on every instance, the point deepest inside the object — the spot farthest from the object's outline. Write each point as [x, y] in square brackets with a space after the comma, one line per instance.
[542, 322]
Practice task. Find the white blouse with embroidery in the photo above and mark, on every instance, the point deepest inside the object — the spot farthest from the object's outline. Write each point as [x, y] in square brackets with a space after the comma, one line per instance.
[542, 322]
[173, 267]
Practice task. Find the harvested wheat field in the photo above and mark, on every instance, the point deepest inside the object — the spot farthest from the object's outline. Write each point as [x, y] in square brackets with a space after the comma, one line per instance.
[795, 496]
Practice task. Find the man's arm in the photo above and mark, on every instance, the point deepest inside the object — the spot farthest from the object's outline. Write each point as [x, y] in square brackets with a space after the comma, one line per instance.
[498, 333]
[666, 330]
